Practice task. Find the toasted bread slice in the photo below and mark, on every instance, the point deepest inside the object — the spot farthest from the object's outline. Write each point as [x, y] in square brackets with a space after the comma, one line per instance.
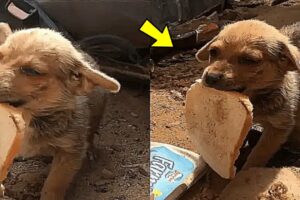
[218, 123]
[10, 139]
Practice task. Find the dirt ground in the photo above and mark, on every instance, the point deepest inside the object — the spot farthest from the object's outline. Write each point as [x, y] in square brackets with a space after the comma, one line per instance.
[121, 170]
[168, 88]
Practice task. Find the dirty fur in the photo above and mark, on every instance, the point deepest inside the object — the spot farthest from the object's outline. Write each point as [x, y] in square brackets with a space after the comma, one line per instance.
[61, 94]
[262, 62]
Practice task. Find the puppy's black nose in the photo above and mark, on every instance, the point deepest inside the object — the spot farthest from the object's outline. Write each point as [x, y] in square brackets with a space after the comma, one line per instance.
[213, 78]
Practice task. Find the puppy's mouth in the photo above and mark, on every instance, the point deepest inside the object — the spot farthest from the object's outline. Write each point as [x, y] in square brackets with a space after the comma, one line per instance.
[239, 89]
[15, 103]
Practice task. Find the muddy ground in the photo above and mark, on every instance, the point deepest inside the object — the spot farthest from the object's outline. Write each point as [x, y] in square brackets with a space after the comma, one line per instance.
[121, 169]
[168, 88]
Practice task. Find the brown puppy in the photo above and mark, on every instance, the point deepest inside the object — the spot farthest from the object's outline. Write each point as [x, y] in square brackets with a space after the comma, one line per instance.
[258, 60]
[57, 87]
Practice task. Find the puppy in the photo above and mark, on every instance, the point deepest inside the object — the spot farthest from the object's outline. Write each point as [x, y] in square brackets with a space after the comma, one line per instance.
[58, 89]
[258, 60]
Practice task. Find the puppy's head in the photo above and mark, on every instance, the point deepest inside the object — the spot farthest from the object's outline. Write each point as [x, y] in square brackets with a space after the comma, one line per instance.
[40, 70]
[247, 56]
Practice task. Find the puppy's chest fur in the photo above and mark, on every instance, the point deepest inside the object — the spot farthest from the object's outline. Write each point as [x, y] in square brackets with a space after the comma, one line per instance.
[279, 106]
[58, 129]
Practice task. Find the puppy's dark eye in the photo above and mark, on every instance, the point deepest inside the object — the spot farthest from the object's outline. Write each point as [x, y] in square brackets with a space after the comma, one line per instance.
[282, 57]
[75, 76]
[29, 71]
[213, 52]
[244, 60]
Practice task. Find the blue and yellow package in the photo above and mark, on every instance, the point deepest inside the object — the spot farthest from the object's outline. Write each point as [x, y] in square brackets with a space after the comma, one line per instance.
[172, 170]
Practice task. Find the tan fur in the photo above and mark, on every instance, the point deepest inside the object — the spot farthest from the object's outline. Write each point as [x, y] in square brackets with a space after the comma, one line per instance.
[61, 93]
[5, 31]
[258, 60]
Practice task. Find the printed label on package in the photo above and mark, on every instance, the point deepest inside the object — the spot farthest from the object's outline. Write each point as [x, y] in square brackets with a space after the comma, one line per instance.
[168, 170]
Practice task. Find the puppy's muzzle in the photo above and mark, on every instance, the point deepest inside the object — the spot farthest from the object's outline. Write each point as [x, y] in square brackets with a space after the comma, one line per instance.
[218, 81]
[212, 79]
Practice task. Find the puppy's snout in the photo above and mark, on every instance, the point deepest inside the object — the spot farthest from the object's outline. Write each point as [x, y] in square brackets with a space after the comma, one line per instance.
[212, 78]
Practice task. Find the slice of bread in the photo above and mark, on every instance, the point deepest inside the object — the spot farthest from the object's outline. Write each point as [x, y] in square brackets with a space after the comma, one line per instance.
[10, 139]
[218, 123]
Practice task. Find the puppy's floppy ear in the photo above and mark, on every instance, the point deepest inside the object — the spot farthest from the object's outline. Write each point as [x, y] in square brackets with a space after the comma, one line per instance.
[87, 78]
[97, 78]
[203, 53]
[4, 32]
[292, 53]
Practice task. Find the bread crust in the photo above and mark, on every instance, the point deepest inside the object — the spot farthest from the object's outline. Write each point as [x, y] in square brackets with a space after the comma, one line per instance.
[212, 154]
[15, 145]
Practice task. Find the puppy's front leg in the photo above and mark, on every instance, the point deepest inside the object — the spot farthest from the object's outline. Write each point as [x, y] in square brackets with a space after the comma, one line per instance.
[63, 169]
[269, 143]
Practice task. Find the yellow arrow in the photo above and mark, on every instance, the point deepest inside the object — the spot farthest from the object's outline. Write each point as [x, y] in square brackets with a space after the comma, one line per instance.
[162, 39]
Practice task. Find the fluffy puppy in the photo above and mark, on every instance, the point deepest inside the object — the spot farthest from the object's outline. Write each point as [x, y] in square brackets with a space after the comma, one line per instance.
[262, 62]
[61, 94]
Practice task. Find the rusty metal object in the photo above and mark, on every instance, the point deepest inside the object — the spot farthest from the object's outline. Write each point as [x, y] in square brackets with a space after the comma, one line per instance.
[206, 32]
[189, 35]
[254, 3]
